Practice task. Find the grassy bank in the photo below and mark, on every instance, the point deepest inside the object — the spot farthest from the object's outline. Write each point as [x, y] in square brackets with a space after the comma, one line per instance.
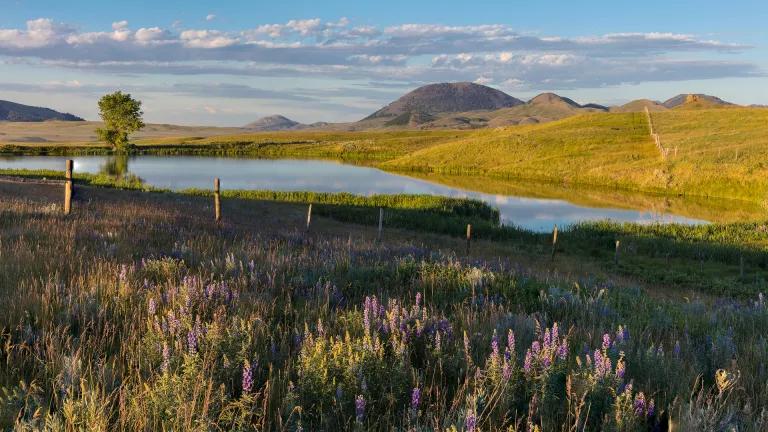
[166, 321]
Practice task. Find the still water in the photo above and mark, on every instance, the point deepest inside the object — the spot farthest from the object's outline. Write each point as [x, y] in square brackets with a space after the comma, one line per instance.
[180, 172]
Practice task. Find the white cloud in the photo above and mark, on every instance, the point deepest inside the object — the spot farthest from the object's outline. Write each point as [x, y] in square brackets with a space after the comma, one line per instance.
[492, 53]
[210, 17]
[206, 39]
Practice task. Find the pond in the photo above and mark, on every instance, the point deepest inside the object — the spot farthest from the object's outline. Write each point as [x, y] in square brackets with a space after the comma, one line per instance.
[533, 207]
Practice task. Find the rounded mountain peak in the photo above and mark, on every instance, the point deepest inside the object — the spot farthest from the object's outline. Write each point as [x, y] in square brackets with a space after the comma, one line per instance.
[448, 98]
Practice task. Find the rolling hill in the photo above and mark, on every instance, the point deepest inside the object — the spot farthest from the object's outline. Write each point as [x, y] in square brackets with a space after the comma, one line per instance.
[16, 112]
[273, 123]
[720, 153]
[695, 101]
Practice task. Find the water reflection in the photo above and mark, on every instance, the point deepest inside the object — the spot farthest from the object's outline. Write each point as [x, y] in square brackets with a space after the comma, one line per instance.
[536, 208]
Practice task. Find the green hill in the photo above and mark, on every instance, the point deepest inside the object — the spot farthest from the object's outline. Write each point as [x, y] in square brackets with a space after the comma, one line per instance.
[720, 153]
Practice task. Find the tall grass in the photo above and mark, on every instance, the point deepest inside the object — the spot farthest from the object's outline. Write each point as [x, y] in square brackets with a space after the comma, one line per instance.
[137, 315]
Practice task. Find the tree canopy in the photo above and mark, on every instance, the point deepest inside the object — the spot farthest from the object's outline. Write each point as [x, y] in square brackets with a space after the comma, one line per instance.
[122, 116]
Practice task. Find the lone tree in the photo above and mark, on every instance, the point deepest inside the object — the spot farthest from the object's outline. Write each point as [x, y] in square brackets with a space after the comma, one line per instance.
[121, 115]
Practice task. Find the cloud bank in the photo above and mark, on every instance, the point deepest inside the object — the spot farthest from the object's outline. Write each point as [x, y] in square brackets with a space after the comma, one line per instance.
[493, 54]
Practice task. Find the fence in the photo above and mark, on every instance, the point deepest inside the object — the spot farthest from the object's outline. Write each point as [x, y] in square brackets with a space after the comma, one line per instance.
[665, 152]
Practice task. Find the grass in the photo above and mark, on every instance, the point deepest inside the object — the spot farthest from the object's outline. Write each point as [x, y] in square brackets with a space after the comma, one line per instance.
[163, 320]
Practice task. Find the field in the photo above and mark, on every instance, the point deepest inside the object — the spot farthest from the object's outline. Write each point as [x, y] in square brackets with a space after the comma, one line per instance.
[139, 312]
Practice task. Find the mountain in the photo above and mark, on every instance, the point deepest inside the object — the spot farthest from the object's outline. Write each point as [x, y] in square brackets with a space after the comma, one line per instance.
[695, 101]
[15, 112]
[640, 105]
[444, 98]
[273, 123]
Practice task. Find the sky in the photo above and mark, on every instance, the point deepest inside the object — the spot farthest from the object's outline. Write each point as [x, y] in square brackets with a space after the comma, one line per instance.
[228, 63]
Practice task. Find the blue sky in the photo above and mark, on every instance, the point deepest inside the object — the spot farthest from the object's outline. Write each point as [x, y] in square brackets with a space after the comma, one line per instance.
[229, 62]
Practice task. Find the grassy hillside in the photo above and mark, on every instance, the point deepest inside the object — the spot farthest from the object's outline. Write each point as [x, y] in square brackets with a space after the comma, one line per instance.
[720, 153]
[609, 149]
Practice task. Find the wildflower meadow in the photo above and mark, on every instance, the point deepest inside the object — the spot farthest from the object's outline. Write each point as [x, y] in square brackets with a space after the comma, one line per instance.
[135, 316]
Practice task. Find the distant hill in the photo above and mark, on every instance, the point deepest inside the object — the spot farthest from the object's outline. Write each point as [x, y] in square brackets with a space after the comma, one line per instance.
[469, 106]
[640, 105]
[16, 112]
[695, 101]
[444, 98]
[273, 123]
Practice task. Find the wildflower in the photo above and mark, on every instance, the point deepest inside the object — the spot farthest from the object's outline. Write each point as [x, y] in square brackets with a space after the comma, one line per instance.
[495, 345]
[606, 341]
[415, 398]
[640, 405]
[506, 369]
[192, 342]
[152, 306]
[511, 340]
[676, 349]
[247, 377]
[359, 408]
[471, 421]
[527, 363]
[621, 368]
[166, 358]
[562, 350]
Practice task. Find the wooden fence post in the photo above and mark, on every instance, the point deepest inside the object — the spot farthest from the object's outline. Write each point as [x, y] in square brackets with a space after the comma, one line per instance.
[381, 221]
[469, 237]
[309, 216]
[217, 198]
[554, 242]
[68, 187]
[616, 256]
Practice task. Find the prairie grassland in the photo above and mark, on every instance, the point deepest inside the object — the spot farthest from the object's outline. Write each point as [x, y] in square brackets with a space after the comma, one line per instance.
[615, 150]
[137, 312]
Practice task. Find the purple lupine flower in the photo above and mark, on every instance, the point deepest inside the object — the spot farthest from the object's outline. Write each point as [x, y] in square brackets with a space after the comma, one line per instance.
[536, 347]
[471, 421]
[562, 350]
[359, 408]
[651, 408]
[547, 342]
[528, 362]
[166, 358]
[606, 341]
[418, 301]
[247, 377]
[415, 398]
[639, 405]
[151, 306]
[495, 344]
[511, 341]
[621, 369]
[192, 342]
[676, 350]
[506, 370]
[555, 332]
[366, 316]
